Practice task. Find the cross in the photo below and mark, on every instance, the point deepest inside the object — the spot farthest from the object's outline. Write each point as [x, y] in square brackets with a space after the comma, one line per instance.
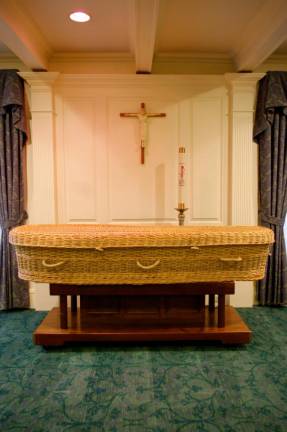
[143, 116]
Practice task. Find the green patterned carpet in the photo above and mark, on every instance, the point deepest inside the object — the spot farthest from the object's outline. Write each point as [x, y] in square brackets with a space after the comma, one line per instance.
[144, 388]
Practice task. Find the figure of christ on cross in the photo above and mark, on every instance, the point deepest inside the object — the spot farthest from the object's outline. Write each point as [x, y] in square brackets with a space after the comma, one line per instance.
[143, 116]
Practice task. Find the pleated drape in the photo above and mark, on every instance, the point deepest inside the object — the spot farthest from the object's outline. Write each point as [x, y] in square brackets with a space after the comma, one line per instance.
[13, 291]
[270, 132]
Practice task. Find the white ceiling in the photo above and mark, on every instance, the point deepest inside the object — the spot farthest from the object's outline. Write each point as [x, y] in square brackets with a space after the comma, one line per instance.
[246, 31]
[108, 29]
[203, 26]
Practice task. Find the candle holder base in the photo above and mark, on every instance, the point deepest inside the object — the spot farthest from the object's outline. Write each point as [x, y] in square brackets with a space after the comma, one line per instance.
[181, 215]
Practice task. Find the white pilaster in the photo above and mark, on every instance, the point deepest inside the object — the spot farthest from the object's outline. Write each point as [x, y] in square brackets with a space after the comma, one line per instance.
[40, 165]
[243, 164]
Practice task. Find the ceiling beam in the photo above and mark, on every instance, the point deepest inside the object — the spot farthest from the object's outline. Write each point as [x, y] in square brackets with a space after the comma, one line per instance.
[262, 36]
[143, 26]
[20, 34]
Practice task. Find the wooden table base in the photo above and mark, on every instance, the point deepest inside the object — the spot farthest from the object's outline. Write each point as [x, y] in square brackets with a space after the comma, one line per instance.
[49, 333]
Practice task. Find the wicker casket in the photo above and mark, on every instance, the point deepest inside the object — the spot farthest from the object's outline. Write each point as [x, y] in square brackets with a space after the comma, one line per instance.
[140, 254]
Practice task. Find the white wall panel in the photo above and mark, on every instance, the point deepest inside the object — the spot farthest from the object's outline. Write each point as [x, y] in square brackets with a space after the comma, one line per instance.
[99, 175]
[208, 160]
[80, 159]
[142, 193]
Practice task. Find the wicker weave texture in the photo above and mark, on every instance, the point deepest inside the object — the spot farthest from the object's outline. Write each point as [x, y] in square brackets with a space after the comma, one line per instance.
[142, 265]
[127, 236]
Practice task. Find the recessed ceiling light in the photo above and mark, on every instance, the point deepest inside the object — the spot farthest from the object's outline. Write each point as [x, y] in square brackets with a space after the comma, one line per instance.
[80, 17]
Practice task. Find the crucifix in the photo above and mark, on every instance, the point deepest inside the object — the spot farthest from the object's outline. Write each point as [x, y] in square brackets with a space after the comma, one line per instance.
[143, 116]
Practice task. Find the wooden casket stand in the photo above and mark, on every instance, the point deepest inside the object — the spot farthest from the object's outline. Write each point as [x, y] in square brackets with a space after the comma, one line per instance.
[138, 313]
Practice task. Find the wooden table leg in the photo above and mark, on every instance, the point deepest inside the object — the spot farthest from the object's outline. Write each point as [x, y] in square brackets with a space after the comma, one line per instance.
[221, 310]
[73, 303]
[211, 302]
[231, 328]
[63, 312]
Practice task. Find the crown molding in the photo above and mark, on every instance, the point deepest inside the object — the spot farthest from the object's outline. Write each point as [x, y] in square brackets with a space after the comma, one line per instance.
[192, 57]
[90, 57]
[39, 81]
[243, 80]
[10, 60]
[274, 62]
[277, 58]
[138, 80]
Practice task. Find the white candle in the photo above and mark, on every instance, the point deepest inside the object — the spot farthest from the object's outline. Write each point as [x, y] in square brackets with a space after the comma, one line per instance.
[181, 176]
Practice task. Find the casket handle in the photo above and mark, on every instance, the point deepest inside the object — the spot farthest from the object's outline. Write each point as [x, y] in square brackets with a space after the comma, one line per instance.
[148, 267]
[235, 259]
[51, 265]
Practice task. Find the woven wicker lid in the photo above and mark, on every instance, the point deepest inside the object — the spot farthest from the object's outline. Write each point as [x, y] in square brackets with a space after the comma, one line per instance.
[107, 236]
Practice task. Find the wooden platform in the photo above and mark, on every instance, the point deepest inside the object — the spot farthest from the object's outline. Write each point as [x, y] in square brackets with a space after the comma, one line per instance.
[84, 328]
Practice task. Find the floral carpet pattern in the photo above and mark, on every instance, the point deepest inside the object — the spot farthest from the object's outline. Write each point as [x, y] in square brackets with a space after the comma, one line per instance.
[144, 388]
